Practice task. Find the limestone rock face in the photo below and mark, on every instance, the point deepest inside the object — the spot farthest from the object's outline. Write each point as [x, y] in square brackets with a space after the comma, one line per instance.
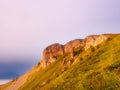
[51, 52]
[72, 45]
[94, 40]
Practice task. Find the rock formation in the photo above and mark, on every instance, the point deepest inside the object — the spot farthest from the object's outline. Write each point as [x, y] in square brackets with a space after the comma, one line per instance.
[51, 52]
[94, 40]
[72, 45]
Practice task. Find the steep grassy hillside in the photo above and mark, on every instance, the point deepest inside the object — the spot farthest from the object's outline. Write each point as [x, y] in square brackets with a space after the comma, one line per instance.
[97, 68]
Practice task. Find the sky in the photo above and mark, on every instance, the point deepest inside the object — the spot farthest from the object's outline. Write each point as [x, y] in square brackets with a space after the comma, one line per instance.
[28, 26]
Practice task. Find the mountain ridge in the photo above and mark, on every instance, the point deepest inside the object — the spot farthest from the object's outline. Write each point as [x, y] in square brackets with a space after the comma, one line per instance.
[54, 50]
[76, 57]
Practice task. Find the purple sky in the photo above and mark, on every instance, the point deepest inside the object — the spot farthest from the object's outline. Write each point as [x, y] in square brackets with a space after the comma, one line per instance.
[28, 26]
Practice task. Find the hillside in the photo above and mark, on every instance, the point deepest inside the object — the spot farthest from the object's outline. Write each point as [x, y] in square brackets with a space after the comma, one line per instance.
[92, 63]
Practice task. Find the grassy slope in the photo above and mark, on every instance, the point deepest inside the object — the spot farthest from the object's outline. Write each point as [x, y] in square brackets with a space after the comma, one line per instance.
[2, 87]
[95, 69]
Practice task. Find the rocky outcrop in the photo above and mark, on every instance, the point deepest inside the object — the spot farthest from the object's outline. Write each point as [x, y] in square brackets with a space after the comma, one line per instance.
[72, 45]
[51, 53]
[94, 40]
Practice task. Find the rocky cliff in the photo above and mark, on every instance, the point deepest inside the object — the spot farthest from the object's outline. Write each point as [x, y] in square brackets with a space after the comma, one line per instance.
[51, 52]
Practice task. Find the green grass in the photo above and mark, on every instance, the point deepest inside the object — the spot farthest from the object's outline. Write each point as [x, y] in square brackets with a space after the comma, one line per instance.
[98, 68]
